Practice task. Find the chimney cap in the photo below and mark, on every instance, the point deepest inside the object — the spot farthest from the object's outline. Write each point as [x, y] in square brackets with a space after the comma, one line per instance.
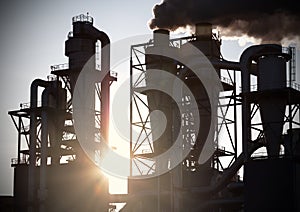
[162, 31]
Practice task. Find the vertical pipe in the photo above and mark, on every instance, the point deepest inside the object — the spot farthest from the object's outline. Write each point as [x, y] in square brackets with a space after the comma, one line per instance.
[290, 119]
[50, 90]
[246, 131]
[235, 116]
[32, 138]
[290, 107]
[290, 69]
[19, 140]
[32, 147]
[105, 93]
[44, 156]
[245, 64]
[105, 83]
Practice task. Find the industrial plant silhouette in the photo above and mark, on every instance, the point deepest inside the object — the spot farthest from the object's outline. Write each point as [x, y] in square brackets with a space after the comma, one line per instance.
[214, 125]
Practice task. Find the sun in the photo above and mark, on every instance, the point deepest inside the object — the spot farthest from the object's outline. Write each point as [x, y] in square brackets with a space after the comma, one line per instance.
[115, 164]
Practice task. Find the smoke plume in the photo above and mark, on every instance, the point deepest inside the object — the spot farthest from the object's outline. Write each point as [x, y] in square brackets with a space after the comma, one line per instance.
[263, 19]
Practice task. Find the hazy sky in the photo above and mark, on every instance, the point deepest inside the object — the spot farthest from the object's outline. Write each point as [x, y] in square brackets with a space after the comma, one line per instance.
[32, 37]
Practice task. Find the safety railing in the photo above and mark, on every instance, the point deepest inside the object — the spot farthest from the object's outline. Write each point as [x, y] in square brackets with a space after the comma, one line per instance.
[289, 84]
[112, 73]
[83, 18]
[26, 105]
[14, 161]
[59, 67]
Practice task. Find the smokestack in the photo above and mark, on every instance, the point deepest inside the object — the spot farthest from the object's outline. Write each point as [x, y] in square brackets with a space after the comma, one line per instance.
[161, 37]
[265, 20]
[204, 31]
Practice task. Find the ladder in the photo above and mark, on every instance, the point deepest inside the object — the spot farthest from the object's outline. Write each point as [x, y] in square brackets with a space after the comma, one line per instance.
[292, 64]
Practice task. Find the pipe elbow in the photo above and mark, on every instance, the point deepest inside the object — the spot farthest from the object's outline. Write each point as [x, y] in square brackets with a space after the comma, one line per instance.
[103, 37]
[251, 53]
[256, 50]
[39, 82]
[34, 90]
[97, 34]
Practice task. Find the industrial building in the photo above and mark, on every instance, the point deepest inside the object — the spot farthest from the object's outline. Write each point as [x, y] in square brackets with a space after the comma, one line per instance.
[188, 159]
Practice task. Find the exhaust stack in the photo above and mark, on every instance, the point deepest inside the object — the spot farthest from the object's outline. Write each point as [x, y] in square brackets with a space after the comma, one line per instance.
[204, 31]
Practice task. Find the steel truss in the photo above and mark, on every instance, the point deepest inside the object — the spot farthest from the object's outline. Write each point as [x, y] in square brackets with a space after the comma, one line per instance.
[141, 143]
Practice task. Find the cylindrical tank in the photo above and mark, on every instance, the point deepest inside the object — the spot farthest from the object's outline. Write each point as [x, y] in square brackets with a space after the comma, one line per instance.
[271, 77]
[272, 72]
[210, 48]
[80, 48]
[157, 99]
[164, 130]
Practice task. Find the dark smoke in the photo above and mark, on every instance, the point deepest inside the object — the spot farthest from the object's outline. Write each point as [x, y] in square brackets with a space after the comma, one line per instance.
[264, 19]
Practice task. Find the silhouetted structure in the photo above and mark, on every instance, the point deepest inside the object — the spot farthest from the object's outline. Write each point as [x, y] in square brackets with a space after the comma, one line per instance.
[266, 95]
[53, 173]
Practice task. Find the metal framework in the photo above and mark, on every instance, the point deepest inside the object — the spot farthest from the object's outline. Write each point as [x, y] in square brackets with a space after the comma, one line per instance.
[291, 117]
[141, 143]
[68, 141]
[20, 119]
[292, 113]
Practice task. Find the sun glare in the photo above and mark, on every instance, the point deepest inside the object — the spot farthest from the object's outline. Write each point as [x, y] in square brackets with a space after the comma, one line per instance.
[115, 164]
